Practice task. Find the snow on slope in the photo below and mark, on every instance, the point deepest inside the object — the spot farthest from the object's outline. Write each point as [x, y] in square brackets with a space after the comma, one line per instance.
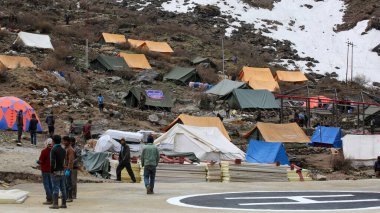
[317, 40]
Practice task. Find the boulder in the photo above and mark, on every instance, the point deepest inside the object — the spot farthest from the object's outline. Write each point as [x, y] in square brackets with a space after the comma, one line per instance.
[376, 84]
[207, 10]
[147, 76]
[377, 49]
[115, 80]
[320, 177]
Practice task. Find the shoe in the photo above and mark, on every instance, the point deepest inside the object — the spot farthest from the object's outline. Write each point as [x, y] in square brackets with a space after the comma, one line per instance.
[69, 197]
[55, 202]
[63, 205]
[47, 202]
[19, 144]
[148, 190]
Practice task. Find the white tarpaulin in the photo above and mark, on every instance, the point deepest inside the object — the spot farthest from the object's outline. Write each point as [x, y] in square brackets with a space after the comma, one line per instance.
[34, 40]
[106, 143]
[13, 196]
[362, 149]
[128, 136]
[207, 143]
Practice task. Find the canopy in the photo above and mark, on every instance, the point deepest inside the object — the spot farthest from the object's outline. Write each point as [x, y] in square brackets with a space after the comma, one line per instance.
[136, 61]
[225, 87]
[182, 75]
[270, 132]
[264, 152]
[9, 106]
[13, 62]
[135, 43]
[114, 38]
[163, 101]
[314, 101]
[161, 47]
[290, 76]
[34, 40]
[259, 78]
[331, 136]
[207, 143]
[252, 99]
[361, 148]
[200, 122]
[109, 63]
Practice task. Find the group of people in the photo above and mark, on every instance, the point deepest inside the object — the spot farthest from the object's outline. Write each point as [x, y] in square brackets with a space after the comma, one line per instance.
[59, 162]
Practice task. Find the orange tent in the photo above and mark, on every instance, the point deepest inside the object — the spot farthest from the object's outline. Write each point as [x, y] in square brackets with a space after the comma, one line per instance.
[135, 43]
[259, 78]
[200, 122]
[314, 101]
[13, 62]
[114, 38]
[290, 76]
[136, 61]
[161, 47]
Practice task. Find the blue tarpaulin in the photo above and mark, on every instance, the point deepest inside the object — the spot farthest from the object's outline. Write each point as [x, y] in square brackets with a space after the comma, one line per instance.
[327, 136]
[266, 152]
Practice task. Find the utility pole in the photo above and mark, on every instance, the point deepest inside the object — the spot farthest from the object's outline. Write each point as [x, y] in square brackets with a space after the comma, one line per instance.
[352, 60]
[224, 75]
[348, 55]
[86, 59]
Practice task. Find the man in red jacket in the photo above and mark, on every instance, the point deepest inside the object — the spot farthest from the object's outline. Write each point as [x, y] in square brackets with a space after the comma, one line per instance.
[44, 162]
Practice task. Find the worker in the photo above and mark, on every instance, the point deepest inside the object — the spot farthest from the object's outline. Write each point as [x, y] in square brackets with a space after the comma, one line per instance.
[149, 160]
[125, 161]
[57, 162]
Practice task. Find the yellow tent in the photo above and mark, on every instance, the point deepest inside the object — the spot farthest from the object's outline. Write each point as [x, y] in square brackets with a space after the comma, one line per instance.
[114, 38]
[161, 47]
[259, 78]
[290, 76]
[13, 62]
[200, 122]
[135, 43]
[272, 86]
[136, 61]
[285, 133]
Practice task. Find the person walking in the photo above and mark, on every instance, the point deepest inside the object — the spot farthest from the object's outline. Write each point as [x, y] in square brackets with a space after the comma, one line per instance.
[33, 130]
[20, 126]
[69, 165]
[86, 133]
[125, 161]
[71, 127]
[44, 162]
[77, 161]
[227, 109]
[100, 102]
[149, 160]
[57, 164]
[377, 167]
[50, 121]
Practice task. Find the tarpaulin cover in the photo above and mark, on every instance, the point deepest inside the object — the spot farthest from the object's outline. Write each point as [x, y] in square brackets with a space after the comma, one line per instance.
[285, 133]
[136, 61]
[13, 62]
[207, 143]
[327, 135]
[133, 98]
[182, 74]
[114, 38]
[200, 122]
[34, 40]
[155, 94]
[314, 101]
[161, 47]
[361, 147]
[259, 78]
[128, 136]
[291, 76]
[97, 162]
[268, 85]
[225, 87]
[9, 106]
[264, 152]
[13, 196]
[107, 144]
[252, 99]
[110, 63]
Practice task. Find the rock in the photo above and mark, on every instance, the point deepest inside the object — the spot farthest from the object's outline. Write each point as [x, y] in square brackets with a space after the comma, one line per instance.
[377, 49]
[376, 84]
[189, 109]
[207, 10]
[373, 23]
[115, 80]
[334, 75]
[153, 118]
[163, 122]
[320, 177]
[116, 114]
[147, 76]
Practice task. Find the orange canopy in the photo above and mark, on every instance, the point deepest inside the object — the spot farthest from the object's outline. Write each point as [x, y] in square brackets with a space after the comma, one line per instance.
[136, 61]
[135, 43]
[200, 122]
[13, 62]
[259, 78]
[314, 101]
[161, 47]
[290, 76]
[114, 38]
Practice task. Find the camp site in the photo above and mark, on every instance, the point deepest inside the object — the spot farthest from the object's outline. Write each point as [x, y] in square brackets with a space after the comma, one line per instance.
[189, 106]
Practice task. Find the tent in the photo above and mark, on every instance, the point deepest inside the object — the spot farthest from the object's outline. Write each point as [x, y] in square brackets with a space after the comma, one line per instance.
[136, 61]
[160, 47]
[34, 40]
[314, 101]
[327, 136]
[252, 99]
[133, 139]
[207, 143]
[9, 106]
[225, 87]
[109, 63]
[290, 76]
[154, 98]
[107, 144]
[135, 43]
[200, 60]
[372, 112]
[113, 38]
[264, 152]
[182, 75]
[200, 122]
[13, 62]
[270, 132]
[361, 149]
[259, 78]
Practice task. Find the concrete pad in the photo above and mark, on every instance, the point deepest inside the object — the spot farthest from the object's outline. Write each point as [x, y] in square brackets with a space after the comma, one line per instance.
[128, 197]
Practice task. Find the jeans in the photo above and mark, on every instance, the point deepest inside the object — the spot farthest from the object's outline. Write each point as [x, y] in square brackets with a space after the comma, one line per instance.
[149, 176]
[68, 184]
[51, 131]
[128, 166]
[46, 180]
[33, 138]
[58, 183]
[74, 180]
[101, 107]
[19, 134]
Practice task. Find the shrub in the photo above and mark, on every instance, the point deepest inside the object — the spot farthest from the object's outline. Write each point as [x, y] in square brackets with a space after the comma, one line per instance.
[62, 51]
[207, 75]
[361, 79]
[52, 63]
[44, 27]
[3, 76]
[341, 164]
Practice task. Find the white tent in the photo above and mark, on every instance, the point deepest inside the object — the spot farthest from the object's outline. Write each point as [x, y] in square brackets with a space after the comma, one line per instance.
[34, 40]
[361, 149]
[107, 144]
[207, 143]
[133, 139]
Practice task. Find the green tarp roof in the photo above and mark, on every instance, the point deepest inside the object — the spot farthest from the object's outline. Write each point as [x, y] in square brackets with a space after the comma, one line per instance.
[111, 63]
[165, 102]
[252, 99]
[180, 74]
[198, 60]
[370, 112]
[225, 87]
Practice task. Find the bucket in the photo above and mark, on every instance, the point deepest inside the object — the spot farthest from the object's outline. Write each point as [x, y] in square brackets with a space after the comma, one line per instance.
[237, 161]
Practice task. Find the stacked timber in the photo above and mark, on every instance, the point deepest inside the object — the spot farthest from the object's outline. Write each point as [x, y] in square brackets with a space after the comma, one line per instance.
[124, 174]
[294, 176]
[180, 173]
[247, 172]
[214, 173]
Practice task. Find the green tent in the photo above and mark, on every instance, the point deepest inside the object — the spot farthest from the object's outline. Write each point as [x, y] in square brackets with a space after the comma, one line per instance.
[109, 63]
[252, 99]
[182, 75]
[372, 112]
[225, 87]
[155, 98]
[200, 60]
